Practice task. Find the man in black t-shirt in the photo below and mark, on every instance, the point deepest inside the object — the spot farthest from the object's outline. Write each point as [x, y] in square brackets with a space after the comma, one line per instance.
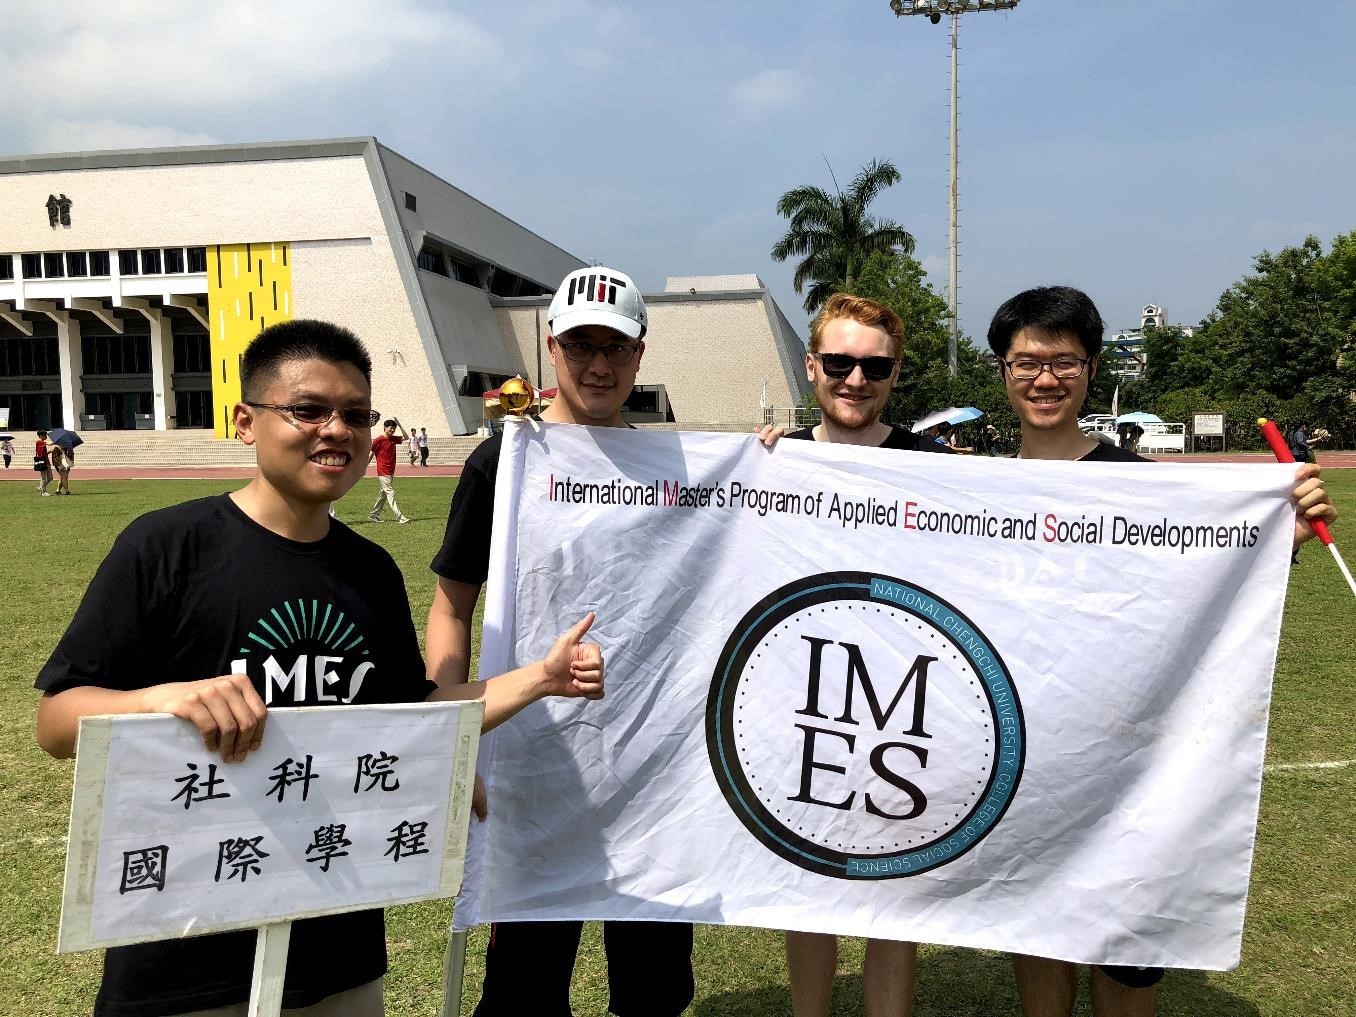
[1047, 341]
[596, 330]
[853, 362]
[217, 609]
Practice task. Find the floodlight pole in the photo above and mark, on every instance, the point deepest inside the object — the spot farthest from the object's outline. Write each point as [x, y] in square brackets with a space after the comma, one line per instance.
[934, 9]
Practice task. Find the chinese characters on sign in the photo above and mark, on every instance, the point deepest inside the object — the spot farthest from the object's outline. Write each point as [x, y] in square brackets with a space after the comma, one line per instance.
[340, 809]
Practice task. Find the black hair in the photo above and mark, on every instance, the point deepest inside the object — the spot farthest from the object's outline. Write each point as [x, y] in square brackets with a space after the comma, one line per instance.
[42, 434]
[1054, 310]
[388, 422]
[301, 339]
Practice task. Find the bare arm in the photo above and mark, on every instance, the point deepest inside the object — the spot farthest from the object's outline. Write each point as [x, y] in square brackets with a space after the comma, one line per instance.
[447, 640]
[226, 711]
[572, 669]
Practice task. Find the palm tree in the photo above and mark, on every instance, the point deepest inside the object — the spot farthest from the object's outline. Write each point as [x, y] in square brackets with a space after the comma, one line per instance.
[833, 235]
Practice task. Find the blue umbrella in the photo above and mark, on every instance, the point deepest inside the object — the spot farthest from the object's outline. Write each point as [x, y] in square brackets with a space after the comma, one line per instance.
[66, 439]
[1138, 417]
[965, 413]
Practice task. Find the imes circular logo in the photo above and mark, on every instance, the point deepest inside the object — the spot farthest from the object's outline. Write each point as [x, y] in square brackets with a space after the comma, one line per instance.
[861, 727]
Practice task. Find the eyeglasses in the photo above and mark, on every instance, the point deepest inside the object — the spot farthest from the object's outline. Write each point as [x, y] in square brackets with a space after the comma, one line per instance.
[582, 352]
[1064, 368]
[840, 365]
[319, 413]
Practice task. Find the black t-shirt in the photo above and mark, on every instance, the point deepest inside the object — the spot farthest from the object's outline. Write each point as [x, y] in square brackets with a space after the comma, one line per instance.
[201, 590]
[1105, 452]
[465, 554]
[899, 438]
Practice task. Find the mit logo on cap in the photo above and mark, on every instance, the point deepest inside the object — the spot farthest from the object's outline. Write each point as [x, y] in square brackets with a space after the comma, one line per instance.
[606, 288]
[598, 296]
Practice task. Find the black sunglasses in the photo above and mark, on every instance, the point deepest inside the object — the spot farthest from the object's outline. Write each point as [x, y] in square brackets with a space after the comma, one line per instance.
[840, 365]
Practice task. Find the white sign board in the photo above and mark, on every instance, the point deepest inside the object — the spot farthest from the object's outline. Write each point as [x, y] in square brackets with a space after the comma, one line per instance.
[341, 808]
[1207, 424]
[993, 703]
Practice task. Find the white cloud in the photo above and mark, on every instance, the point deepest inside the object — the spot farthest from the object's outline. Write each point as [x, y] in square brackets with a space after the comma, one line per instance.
[85, 58]
[98, 135]
[767, 92]
[938, 268]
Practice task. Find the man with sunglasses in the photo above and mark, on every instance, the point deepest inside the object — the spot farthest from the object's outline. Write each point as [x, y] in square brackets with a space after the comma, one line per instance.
[596, 329]
[1047, 342]
[384, 452]
[855, 347]
[216, 609]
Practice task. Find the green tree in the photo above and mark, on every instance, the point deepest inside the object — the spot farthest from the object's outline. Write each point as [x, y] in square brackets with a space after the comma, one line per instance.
[833, 235]
[1278, 328]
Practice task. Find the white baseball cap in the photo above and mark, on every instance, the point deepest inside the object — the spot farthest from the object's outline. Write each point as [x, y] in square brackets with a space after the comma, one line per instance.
[598, 296]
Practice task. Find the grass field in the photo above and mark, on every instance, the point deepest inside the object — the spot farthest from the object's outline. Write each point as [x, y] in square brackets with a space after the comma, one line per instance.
[1299, 953]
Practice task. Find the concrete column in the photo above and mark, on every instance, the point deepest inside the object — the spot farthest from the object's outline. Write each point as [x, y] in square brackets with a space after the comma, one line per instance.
[162, 368]
[72, 366]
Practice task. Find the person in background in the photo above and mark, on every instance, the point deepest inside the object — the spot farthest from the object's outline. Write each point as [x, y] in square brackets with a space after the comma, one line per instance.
[42, 464]
[62, 460]
[384, 452]
[7, 449]
[422, 439]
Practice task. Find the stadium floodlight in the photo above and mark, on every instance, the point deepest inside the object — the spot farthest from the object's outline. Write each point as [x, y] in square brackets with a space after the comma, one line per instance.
[933, 11]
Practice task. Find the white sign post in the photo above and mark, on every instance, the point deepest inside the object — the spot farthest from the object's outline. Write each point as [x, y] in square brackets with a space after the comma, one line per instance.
[342, 808]
[1207, 425]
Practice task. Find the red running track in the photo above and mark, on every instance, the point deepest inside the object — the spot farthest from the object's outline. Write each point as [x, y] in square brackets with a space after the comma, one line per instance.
[1327, 460]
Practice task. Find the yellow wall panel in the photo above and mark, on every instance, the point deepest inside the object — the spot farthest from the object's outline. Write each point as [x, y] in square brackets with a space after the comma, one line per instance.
[249, 287]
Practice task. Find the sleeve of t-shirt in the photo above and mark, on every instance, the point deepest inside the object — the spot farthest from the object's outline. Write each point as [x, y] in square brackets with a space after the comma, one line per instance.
[106, 640]
[465, 554]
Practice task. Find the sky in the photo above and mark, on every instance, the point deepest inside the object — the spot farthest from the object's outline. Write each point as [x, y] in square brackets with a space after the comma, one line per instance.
[1143, 150]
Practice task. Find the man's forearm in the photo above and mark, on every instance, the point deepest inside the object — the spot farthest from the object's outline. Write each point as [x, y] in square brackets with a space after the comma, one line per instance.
[447, 639]
[504, 695]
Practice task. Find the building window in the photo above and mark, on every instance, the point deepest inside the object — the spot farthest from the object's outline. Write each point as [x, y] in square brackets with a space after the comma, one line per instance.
[127, 263]
[174, 260]
[150, 261]
[197, 259]
[98, 263]
[411, 202]
[465, 273]
[53, 266]
[32, 266]
[6, 266]
[431, 260]
[77, 264]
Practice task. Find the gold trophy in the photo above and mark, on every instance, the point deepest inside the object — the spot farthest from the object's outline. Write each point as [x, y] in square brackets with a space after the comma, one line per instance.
[516, 396]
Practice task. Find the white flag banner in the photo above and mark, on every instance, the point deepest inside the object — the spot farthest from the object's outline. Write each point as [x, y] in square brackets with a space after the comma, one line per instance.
[990, 703]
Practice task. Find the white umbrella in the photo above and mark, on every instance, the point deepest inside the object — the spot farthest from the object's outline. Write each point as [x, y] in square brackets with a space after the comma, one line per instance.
[934, 418]
[1138, 417]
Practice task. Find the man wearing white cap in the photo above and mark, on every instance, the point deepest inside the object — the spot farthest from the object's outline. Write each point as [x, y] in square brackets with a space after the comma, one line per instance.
[597, 323]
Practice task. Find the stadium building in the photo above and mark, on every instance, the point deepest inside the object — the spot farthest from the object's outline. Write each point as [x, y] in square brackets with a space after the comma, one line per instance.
[131, 281]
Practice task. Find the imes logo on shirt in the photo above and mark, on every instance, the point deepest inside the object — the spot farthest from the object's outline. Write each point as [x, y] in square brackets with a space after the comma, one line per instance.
[861, 727]
[305, 652]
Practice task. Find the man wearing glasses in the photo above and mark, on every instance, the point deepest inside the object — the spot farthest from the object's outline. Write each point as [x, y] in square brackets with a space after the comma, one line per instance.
[1047, 341]
[855, 346]
[217, 609]
[596, 330]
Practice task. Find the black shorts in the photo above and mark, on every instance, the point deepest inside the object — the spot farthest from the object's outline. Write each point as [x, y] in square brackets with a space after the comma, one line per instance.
[1132, 978]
